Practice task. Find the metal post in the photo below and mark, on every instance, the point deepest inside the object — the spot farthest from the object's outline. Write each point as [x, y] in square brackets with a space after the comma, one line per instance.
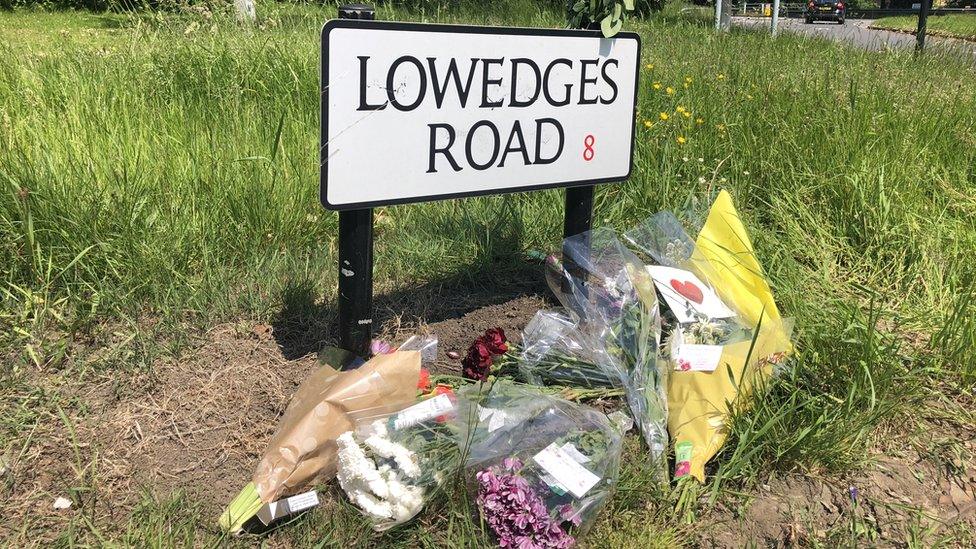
[923, 17]
[718, 14]
[356, 255]
[775, 18]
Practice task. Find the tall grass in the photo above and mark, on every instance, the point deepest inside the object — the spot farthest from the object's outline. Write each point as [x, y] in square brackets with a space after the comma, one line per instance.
[167, 171]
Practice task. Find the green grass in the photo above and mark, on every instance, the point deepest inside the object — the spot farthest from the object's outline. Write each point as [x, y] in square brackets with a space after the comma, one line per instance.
[146, 193]
[953, 25]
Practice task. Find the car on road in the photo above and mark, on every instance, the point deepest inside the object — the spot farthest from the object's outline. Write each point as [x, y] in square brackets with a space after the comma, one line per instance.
[830, 10]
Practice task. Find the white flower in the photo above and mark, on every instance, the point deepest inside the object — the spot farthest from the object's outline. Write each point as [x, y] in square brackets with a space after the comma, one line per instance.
[403, 457]
[354, 464]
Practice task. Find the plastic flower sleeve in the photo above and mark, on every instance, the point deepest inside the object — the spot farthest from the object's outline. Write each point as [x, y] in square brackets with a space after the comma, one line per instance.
[389, 467]
[541, 468]
[555, 351]
[700, 401]
[607, 288]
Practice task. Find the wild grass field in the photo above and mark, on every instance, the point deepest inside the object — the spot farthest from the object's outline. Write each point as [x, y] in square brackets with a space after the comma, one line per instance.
[951, 25]
[160, 176]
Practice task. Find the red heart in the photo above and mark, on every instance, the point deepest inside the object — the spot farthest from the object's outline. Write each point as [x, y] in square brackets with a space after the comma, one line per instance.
[688, 290]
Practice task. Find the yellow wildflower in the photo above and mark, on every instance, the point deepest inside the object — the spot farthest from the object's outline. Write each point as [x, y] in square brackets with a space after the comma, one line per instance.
[648, 123]
[699, 121]
[657, 85]
[670, 90]
[720, 76]
[688, 80]
[649, 66]
[686, 85]
[687, 114]
[681, 140]
[663, 116]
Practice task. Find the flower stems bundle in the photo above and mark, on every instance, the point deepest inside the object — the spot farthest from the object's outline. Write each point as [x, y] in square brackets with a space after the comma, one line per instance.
[556, 352]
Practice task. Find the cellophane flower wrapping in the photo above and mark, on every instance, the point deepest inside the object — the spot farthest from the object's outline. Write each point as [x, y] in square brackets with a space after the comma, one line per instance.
[556, 351]
[612, 299]
[540, 468]
[390, 467]
[752, 341]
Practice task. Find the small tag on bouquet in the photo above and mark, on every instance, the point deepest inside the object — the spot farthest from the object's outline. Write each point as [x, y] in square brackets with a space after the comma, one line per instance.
[273, 511]
[567, 472]
[421, 412]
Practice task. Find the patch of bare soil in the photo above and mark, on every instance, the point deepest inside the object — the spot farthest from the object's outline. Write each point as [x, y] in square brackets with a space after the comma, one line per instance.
[195, 424]
[893, 501]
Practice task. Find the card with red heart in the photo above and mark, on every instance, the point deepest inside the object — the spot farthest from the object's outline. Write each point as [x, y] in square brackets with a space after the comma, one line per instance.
[687, 295]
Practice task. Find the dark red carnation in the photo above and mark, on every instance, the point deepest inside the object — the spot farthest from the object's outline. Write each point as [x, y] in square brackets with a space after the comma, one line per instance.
[495, 340]
[477, 363]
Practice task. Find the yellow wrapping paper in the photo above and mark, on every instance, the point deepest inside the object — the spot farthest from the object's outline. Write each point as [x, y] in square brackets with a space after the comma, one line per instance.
[699, 402]
[329, 403]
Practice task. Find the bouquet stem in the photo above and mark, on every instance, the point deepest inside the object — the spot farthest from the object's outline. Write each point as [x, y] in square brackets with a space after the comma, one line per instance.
[245, 505]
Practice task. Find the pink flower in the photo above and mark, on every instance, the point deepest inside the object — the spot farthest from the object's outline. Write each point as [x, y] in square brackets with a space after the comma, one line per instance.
[380, 347]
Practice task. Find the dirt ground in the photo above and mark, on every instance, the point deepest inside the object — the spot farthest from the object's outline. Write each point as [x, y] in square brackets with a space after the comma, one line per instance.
[197, 423]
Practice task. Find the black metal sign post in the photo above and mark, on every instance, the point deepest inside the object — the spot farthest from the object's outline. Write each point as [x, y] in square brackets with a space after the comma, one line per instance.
[356, 254]
[923, 17]
[355, 246]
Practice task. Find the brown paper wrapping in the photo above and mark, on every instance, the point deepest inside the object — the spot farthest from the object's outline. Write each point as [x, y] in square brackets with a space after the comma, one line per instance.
[328, 403]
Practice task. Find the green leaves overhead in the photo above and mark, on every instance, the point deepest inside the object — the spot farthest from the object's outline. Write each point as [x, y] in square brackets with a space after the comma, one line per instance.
[609, 13]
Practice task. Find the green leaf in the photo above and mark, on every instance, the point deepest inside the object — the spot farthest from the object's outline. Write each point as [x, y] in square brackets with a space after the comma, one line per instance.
[609, 26]
[579, 6]
[629, 5]
[618, 10]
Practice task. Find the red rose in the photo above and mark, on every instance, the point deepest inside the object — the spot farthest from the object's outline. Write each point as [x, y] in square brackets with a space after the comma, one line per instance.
[477, 363]
[495, 340]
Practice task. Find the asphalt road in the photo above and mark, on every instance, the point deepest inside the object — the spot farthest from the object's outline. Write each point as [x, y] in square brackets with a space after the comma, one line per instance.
[858, 34]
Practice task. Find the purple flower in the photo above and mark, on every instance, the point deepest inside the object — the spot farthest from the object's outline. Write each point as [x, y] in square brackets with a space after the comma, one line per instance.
[515, 512]
[852, 490]
[380, 347]
[568, 513]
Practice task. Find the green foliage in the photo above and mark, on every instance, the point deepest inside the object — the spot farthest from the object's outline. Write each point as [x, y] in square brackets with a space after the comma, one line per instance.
[608, 14]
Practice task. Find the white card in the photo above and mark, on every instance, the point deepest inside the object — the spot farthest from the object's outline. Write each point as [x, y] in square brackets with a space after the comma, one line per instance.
[574, 453]
[273, 511]
[566, 470]
[682, 290]
[423, 411]
[697, 358]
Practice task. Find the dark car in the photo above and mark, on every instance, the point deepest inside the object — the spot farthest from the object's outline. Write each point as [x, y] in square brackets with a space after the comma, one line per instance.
[831, 10]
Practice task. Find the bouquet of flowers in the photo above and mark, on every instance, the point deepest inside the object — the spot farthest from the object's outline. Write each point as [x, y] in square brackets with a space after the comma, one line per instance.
[725, 332]
[565, 373]
[542, 468]
[608, 290]
[389, 467]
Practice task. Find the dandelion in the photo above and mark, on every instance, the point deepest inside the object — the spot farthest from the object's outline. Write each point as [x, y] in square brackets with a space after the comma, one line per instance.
[679, 109]
[663, 116]
[669, 90]
[686, 114]
[657, 85]
[649, 66]
[699, 121]
[688, 80]
[720, 76]
[681, 140]
[648, 123]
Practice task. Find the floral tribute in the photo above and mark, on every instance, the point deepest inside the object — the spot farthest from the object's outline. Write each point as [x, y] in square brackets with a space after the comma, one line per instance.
[516, 513]
[477, 363]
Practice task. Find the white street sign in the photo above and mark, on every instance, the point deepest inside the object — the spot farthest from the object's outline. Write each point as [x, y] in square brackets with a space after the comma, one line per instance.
[415, 112]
